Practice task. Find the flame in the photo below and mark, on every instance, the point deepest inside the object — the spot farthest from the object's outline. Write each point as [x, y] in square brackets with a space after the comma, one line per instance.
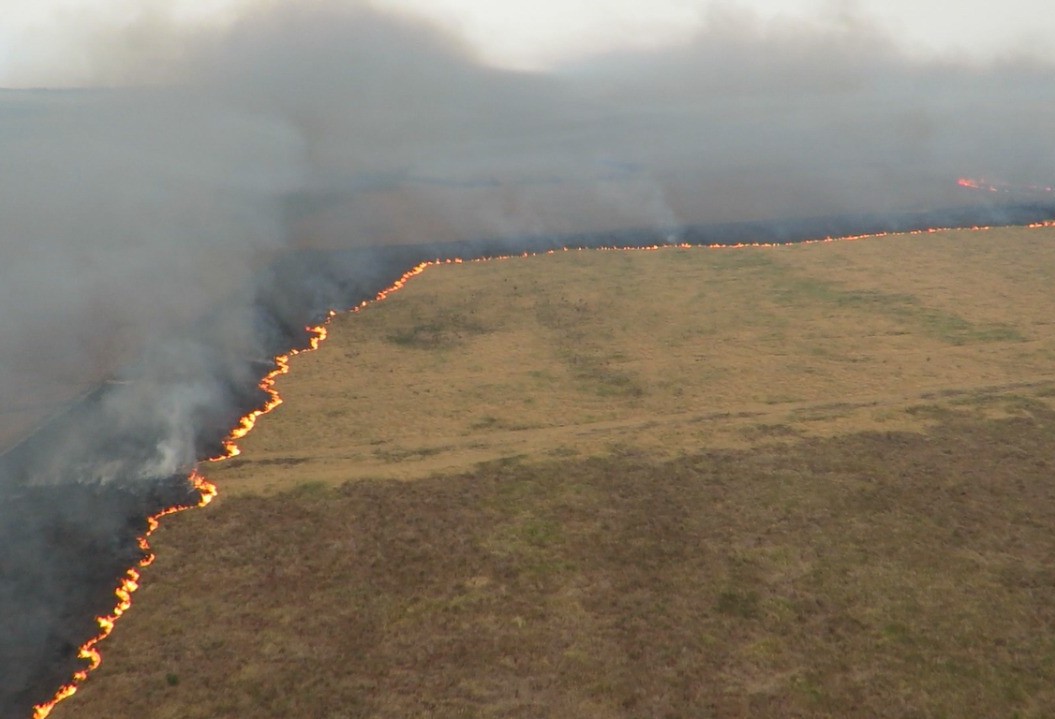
[89, 651]
[422, 266]
[128, 584]
[1004, 187]
[976, 184]
[267, 384]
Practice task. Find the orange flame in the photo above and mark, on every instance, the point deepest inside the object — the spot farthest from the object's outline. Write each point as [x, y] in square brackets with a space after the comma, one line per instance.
[976, 184]
[246, 423]
[89, 651]
[422, 266]
[207, 490]
[995, 186]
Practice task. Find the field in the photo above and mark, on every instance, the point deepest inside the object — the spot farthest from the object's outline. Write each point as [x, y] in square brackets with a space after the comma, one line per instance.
[812, 480]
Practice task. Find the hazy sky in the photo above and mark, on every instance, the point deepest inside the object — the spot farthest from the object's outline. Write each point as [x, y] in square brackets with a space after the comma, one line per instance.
[42, 41]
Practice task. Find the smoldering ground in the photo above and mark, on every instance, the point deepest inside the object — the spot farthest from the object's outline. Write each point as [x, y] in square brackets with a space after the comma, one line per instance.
[172, 225]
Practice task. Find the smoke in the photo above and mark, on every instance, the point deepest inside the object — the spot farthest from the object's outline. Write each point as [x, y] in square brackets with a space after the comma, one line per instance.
[173, 225]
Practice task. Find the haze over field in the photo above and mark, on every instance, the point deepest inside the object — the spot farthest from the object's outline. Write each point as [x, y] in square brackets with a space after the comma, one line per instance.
[149, 215]
[131, 211]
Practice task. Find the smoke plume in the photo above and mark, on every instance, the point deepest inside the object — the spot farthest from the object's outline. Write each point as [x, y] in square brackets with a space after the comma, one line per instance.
[172, 225]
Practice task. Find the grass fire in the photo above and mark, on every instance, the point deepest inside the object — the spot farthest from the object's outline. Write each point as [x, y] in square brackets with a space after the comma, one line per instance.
[752, 469]
[89, 651]
[983, 388]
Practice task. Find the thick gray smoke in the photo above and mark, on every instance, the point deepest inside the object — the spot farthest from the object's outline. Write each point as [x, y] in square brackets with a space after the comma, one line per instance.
[163, 237]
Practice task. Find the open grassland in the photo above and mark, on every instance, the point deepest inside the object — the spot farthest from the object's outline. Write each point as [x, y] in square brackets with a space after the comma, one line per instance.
[670, 350]
[797, 481]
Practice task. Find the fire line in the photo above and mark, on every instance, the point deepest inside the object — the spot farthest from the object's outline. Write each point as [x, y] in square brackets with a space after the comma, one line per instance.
[985, 185]
[89, 651]
[128, 585]
[267, 384]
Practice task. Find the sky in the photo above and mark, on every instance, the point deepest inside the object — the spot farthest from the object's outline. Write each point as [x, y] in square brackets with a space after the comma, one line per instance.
[42, 42]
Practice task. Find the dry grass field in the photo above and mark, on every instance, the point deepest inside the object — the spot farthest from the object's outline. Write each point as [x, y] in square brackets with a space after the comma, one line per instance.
[576, 353]
[811, 480]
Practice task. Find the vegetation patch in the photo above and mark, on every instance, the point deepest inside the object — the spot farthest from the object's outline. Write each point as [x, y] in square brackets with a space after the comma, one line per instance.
[797, 481]
[438, 328]
[908, 310]
[876, 574]
[403, 454]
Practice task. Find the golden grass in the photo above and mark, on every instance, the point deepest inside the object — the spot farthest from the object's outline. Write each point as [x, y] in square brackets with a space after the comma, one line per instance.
[571, 353]
[798, 481]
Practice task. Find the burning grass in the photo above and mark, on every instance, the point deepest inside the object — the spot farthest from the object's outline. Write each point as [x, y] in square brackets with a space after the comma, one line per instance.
[811, 480]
